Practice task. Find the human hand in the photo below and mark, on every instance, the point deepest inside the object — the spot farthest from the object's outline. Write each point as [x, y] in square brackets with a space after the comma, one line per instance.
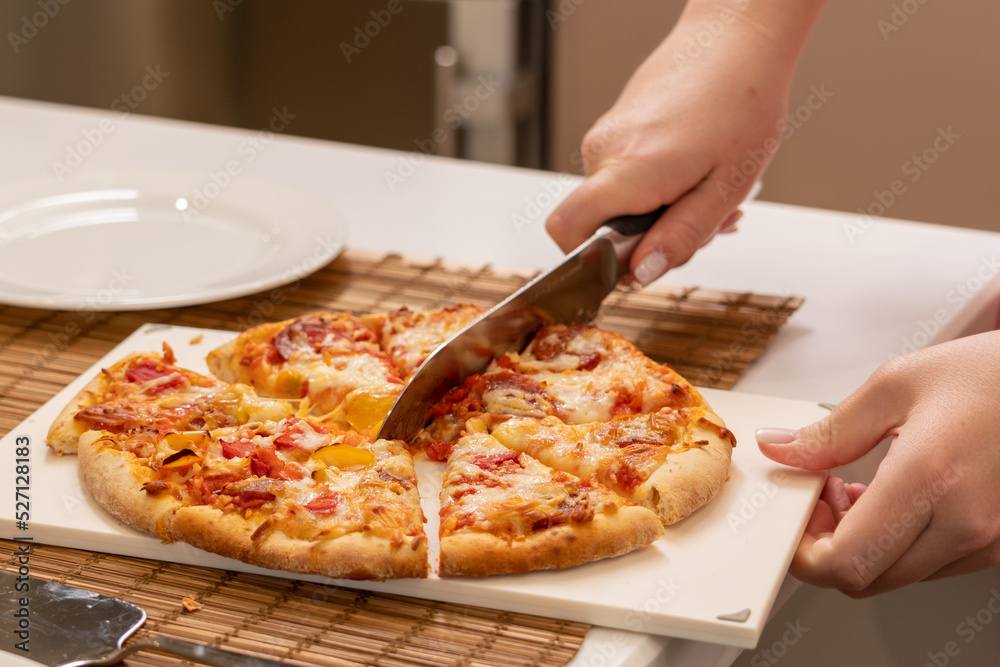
[692, 132]
[933, 507]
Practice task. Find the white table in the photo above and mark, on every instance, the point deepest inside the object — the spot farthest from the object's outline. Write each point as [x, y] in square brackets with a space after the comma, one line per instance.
[868, 295]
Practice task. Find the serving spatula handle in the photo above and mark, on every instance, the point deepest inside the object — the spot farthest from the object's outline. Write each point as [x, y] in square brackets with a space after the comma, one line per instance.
[198, 653]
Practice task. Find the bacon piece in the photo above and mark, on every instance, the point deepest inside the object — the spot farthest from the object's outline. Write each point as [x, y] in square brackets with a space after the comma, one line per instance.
[552, 340]
[107, 418]
[439, 450]
[626, 476]
[251, 493]
[325, 503]
[302, 435]
[265, 462]
[490, 462]
[146, 371]
[237, 448]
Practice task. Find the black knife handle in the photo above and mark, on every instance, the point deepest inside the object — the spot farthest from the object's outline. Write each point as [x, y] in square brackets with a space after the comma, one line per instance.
[631, 225]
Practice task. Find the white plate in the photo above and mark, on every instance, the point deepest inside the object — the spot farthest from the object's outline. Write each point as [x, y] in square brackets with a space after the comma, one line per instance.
[728, 557]
[121, 241]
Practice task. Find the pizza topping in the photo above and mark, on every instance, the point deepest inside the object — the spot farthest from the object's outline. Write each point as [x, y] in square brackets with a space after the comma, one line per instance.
[490, 462]
[155, 487]
[325, 503]
[265, 462]
[343, 456]
[180, 459]
[106, 417]
[237, 448]
[302, 435]
[251, 493]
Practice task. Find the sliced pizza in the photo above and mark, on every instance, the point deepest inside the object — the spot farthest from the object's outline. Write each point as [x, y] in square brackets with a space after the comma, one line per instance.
[287, 494]
[409, 337]
[670, 461]
[580, 374]
[503, 512]
[151, 390]
[331, 359]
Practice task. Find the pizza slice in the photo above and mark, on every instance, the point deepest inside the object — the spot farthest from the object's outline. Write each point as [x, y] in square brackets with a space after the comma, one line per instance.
[286, 494]
[409, 337]
[670, 461]
[503, 512]
[332, 359]
[150, 389]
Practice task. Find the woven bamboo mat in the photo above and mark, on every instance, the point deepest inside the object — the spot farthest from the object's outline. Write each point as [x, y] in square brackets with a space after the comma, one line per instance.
[710, 337]
[304, 623]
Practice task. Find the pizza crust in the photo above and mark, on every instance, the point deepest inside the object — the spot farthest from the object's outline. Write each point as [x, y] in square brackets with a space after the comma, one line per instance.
[115, 478]
[478, 554]
[352, 556]
[65, 432]
[687, 480]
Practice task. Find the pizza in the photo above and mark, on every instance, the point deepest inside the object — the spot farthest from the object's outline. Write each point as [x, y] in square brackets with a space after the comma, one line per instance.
[503, 512]
[149, 389]
[575, 449]
[286, 494]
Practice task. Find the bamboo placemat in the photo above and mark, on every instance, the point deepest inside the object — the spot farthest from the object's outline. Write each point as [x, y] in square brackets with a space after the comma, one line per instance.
[709, 336]
[303, 623]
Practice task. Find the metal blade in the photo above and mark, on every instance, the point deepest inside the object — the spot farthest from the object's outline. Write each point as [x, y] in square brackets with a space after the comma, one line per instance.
[570, 293]
[61, 623]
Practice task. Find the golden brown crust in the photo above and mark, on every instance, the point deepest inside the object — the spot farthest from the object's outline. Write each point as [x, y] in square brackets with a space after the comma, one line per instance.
[478, 554]
[224, 361]
[115, 478]
[351, 556]
[65, 432]
[688, 480]
[671, 461]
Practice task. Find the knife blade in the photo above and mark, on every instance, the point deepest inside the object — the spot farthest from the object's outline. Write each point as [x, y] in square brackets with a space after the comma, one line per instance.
[570, 293]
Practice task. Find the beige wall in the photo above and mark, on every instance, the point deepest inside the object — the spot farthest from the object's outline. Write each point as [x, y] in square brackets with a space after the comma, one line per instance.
[891, 96]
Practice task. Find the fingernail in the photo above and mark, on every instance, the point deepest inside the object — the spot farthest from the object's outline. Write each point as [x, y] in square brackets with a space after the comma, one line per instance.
[729, 224]
[775, 436]
[652, 266]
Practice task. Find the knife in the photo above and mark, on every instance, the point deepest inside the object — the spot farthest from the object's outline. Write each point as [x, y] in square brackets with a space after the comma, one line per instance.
[570, 293]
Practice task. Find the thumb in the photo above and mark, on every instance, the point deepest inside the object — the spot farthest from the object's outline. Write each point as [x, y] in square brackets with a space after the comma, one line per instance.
[849, 432]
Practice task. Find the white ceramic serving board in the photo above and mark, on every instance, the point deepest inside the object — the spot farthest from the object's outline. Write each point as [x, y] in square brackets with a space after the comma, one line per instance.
[728, 557]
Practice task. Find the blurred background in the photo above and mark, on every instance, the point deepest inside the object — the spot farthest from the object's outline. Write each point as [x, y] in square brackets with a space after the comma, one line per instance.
[519, 82]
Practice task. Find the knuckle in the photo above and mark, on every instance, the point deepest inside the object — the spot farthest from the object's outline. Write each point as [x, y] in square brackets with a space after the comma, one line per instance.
[850, 574]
